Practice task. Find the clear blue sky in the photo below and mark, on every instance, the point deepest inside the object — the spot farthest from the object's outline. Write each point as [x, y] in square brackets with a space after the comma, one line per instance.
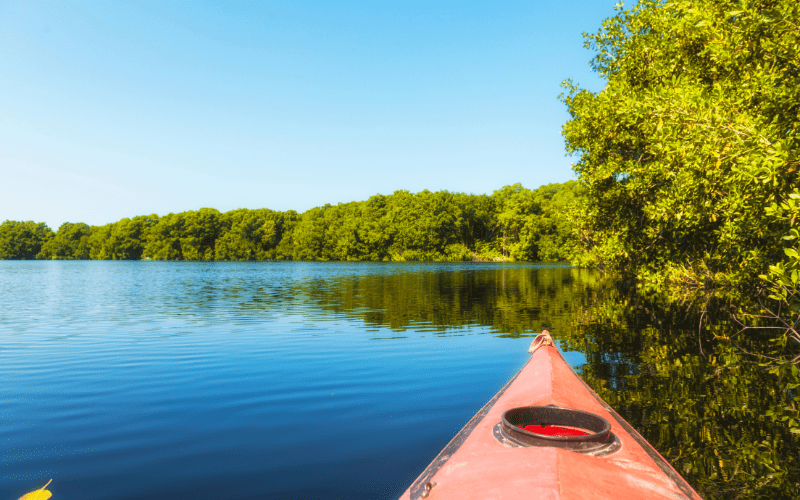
[115, 109]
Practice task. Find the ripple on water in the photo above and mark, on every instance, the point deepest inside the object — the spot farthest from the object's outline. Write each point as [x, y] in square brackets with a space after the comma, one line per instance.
[245, 380]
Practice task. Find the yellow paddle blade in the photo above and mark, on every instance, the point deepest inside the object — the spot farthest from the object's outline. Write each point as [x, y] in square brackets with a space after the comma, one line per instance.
[40, 494]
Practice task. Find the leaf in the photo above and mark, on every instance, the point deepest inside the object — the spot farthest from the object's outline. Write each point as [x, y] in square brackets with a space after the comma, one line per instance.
[40, 494]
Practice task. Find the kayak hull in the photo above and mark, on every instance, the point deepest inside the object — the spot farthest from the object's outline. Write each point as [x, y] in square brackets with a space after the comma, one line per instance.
[477, 464]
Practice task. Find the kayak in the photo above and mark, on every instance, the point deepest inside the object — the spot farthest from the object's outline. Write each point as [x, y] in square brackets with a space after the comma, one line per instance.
[547, 435]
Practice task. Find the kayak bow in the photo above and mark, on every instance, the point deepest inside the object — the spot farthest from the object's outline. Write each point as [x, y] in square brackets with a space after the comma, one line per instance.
[547, 435]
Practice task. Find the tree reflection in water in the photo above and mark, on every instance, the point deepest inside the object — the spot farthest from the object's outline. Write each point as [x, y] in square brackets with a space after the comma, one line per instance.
[728, 424]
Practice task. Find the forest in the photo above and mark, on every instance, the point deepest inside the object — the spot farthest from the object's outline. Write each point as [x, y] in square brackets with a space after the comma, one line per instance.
[688, 158]
[688, 177]
[687, 197]
[689, 154]
[514, 223]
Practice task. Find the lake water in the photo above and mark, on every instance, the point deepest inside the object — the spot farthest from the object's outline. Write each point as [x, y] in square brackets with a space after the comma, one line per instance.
[291, 380]
[253, 380]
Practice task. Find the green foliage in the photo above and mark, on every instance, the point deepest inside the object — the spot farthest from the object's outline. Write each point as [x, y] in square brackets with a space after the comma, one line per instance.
[249, 235]
[537, 225]
[690, 142]
[22, 240]
[164, 238]
[285, 246]
[403, 226]
[309, 234]
[783, 276]
[200, 232]
[122, 240]
[71, 242]
[515, 205]
[184, 236]
[426, 226]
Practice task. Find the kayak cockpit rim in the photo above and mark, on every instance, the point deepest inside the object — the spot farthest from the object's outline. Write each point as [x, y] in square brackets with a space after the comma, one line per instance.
[423, 485]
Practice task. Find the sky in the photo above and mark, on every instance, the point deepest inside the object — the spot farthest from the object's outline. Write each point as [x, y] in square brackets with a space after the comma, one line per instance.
[115, 109]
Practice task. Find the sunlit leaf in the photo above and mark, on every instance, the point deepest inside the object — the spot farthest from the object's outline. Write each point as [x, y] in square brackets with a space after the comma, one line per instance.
[40, 494]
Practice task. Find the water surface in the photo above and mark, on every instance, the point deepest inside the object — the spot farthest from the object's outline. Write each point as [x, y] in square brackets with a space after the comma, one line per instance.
[253, 380]
[343, 381]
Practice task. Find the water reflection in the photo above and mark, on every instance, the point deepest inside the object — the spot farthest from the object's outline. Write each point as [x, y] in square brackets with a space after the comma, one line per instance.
[222, 356]
[706, 406]
[510, 300]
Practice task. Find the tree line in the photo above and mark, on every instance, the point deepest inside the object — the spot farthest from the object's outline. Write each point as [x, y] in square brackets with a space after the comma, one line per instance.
[514, 223]
[689, 155]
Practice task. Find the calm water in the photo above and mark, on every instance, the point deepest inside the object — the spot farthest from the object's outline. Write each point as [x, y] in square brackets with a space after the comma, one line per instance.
[343, 381]
[264, 380]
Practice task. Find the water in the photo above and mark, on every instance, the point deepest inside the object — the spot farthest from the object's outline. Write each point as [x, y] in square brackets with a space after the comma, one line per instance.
[343, 381]
[255, 380]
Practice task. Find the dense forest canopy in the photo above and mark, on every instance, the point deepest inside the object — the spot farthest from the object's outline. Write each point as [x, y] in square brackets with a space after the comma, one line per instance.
[689, 154]
[514, 223]
[689, 158]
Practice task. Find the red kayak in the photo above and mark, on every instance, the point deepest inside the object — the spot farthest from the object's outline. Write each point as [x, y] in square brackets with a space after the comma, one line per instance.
[547, 435]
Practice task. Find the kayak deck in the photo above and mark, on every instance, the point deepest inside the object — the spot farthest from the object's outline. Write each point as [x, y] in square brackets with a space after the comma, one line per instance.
[479, 464]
